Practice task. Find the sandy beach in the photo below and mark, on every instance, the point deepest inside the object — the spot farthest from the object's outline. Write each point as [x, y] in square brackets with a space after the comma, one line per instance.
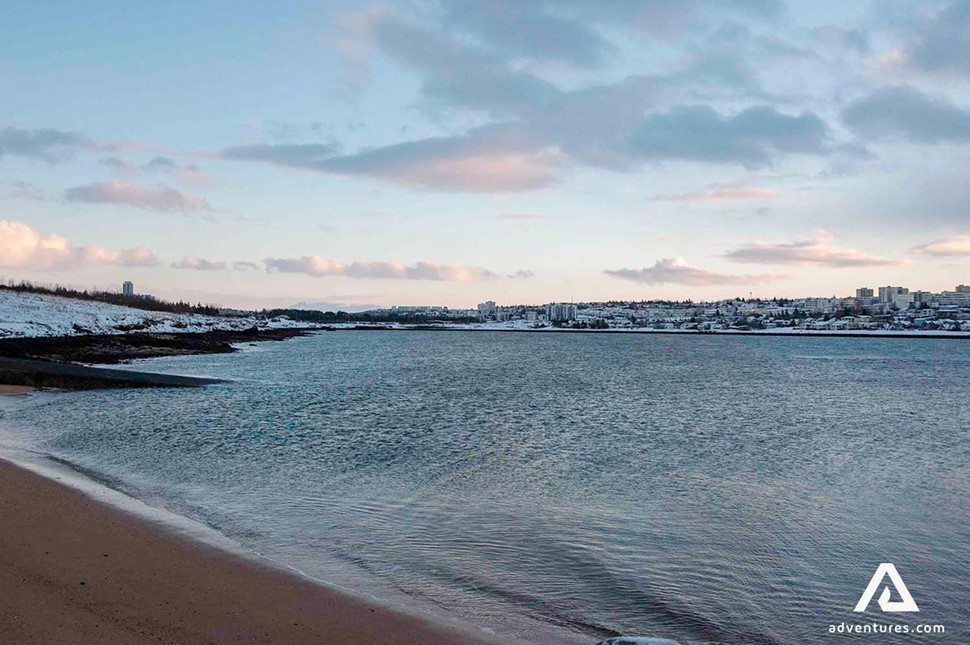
[16, 389]
[75, 570]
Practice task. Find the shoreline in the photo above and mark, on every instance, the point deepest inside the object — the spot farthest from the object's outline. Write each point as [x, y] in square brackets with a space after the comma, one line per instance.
[956, 335]
[78, 569]
[110, 349]
[77, 362]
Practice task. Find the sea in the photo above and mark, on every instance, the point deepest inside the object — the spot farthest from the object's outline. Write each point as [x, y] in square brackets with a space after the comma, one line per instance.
[568, 487]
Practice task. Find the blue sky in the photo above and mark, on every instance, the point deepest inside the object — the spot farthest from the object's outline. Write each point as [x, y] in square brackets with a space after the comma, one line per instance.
[450, 151]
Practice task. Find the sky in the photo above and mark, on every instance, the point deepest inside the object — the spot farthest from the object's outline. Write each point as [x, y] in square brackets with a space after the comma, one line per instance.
[356, 154]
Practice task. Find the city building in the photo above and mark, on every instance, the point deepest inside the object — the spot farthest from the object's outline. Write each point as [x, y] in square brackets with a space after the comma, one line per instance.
[561, 312]
[887, 295]
[127, 288]
[960, 297]
[864, 293]
[486, 310]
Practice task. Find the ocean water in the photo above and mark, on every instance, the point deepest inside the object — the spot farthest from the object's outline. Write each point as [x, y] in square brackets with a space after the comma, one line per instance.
[569, 487]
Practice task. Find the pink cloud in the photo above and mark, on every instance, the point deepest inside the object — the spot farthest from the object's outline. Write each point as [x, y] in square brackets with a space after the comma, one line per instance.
[195, 263]
[487, 161]
[21, 247]
[676, 271]
[322, 267]
[820, 252]
[722, 194]
[485, 172]
[956, 245]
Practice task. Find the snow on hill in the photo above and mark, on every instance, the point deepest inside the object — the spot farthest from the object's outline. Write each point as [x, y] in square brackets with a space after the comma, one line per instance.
[32, 314]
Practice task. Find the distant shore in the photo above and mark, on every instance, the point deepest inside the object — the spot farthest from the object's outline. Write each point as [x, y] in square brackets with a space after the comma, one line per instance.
[75, 570]
[644, 331]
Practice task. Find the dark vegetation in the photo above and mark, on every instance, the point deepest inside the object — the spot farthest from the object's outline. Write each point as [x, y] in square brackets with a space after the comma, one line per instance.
[137, 301]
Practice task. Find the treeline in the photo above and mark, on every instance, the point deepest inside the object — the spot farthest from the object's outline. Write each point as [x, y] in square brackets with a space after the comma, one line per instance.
[137, 301]
[310, 315]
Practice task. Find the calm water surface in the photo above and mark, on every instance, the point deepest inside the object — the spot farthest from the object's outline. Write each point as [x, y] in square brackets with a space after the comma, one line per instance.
[568, 487]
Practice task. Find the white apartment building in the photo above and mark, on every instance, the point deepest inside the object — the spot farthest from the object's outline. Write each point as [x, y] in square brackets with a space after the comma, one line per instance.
[561, 312]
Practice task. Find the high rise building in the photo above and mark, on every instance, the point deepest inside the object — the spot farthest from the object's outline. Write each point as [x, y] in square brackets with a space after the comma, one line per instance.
[864, 293]
[486, 310]
[561, 312]
[888, 294]
[127, 288]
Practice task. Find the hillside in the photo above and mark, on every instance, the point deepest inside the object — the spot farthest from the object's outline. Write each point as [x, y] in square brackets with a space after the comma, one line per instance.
[29, 315]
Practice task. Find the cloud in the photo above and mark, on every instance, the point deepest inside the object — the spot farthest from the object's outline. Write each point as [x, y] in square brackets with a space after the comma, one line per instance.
[570, 32]
[905, 112]
[24, 190]
[161, 198]
[752, 138]
[160, 164]
[535, 30]
[819, 252]
[941, 39]
[21, 247]
[510, 158]
[522, 274]
[676, 271]
[485, 161]
[185, 173]
[469, 62]
[956, 245]
[322, 267]
[721, 193]
[195, 263]
[245, 266]
[42, 143]
[458, 74]
[294, 155]
[120, 166]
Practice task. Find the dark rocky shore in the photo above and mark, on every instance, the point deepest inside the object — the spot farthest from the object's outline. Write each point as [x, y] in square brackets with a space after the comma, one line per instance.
[57, 362]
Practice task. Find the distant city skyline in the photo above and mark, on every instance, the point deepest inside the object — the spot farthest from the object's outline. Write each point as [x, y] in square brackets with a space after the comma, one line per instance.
[367, 154]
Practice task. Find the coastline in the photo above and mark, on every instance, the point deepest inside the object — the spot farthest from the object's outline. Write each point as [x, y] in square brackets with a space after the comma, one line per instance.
[77, 362]
[786, 332]
[77, 569]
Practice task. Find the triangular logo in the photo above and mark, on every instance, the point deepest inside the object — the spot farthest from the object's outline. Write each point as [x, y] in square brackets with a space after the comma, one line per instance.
[906, 604]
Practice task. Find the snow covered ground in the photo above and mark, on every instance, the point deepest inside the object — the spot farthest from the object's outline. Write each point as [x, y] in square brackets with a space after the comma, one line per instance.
[31, 314]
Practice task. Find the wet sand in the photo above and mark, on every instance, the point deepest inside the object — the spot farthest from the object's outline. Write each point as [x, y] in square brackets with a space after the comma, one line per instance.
[16, 389]
[75, 570]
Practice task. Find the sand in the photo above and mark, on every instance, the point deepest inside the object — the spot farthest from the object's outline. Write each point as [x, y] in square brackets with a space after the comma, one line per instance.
[16, 389]
[75, 570]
